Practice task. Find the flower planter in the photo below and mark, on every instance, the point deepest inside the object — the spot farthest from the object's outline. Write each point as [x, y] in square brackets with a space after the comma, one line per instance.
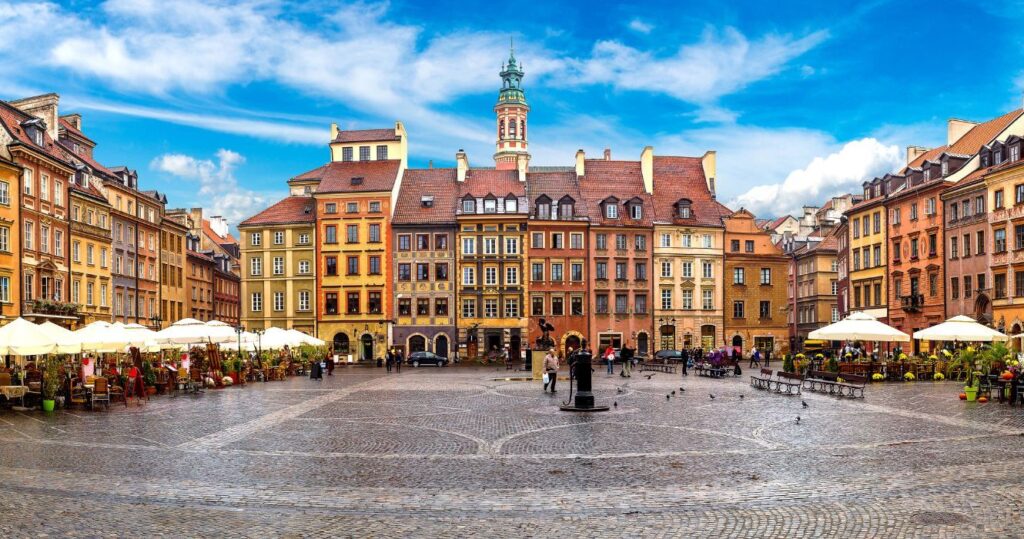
[151, 390]
[234, 378]
[972, 393]
[48, 405]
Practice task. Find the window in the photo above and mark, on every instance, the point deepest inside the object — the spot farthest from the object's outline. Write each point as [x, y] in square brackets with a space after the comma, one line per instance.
[999, 283]
[878, 255]
[374, 265]
[364, 153]
[352, 265]
[490, 308]
[640, 242]
[404, 242]
[766, 276]
[5, 193]
[352, 234]
[537, 305]
[866, 229]
[256, 238]
[913, 211]
[933, 244]
[666, 299]
[636, 211]
[441, 307]
[5, 239]
[997, 199]
[441, 242]
[331, 265]
[537, 240]
[967, 286]
[855, 228]
[256, 301]
[278, 301]
[331, 207]
[856, 259]
[557, 306]
[422, 306]
[1000, 240]
[967, 245]
[576, 271]
[1018, 232]
[1018, 194]
[490, 205]
[490, 276]
[404, 307]
[611, 211]
[304, 267]
[737, 276]
[278, 265]
[352, 207]
[666, 268]
[929, 206]
[512, 308]
[748, 246]
[979, 204]
[512, 274]
[953, 247]
[469, 246]
[687, 272]
[737, 309]
[601, 269]
[834, 288]
[620, 271]
[620, 242]
[556, 272]
[374, 233]
[945, 168]
[575, 241]
[352, 303]
[382, 152]
[469, 308]
[303, 300]
[876, 220]
[602, 241]
[512, 244]
[490, 246]
[404, 272]
[468, 205]
[468, 275]
[537, 271]
[75, 251]
[666, 240]
[601, 304]
[346, 153]
[1018, 283]
[331, 234]
[764, 310]
[256, 266]
[511, 205]
[980, 246]
[913, 248]
[707, 270]
[44, 187]
[1014, 152]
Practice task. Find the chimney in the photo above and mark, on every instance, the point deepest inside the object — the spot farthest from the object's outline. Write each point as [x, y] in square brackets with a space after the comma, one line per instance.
[956, 129]
[75, 119]
[607, 154]
[334, 131]
[461, 164]
[647, 168]
[41, 106]
[522, 164]
[430, 164]
[913, 152]
[581, 158]
[710, 164]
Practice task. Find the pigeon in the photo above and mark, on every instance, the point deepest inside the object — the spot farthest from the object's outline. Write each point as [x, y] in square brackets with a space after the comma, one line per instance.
[681, 389]
[673, 392]
[619, 389]
[649, 376]
[667, 397]
[804, 403]
[615, 404]
[797, 420]
[712, 396]
[741, 395]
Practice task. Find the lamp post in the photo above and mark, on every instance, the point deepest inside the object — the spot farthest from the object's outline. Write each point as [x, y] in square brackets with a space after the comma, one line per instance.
[155, 321]
[238, 331]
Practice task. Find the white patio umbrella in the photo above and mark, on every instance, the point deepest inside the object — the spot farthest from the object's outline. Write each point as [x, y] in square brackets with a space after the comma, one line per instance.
[141, 337]
[302, 338]
[221, 332]
[23, 338]
[277, 338]
[859, 326]
[184, 331]
[248, 342]
[960, 328]
[102, 337]
[67, 341]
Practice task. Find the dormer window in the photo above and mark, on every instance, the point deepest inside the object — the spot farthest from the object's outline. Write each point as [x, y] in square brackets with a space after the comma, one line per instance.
[490, 205]
[611, 211]
[468, 205]
[945, 168]
[997, 156]
[636, 211]
[684, 209]
[984, 160]
[427, 201]
[878, 190]
[543, 210]
[566, 210]
[1015, 152]
[927, 174]
[356, 180]
[511, 205]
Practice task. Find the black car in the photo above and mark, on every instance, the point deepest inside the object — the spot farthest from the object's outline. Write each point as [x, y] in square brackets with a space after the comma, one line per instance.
[668, 356]
[426, 358]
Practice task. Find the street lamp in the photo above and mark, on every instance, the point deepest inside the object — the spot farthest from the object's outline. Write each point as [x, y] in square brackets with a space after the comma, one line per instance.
[155, 321]
[238, 331]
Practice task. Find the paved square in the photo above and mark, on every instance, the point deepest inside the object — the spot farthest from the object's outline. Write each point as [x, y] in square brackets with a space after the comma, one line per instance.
[461, 452]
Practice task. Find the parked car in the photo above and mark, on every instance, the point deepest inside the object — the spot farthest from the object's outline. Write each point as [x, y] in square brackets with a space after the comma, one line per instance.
[426, 358]
[668, 356]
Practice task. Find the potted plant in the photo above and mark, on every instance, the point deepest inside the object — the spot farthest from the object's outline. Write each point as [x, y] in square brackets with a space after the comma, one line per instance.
[149, 377]
[787, 363]
[52, 381]
[878, 377]
[971, 389]
[832, 365]
[233, 366]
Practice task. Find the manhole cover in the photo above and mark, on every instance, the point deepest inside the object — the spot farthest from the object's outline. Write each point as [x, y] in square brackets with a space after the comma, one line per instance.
[935, 518]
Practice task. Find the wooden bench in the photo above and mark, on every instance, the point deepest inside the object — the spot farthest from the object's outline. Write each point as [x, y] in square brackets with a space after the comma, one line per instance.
[851, 385]
[789, 383]
[710, 372]
[821, 381]
[658, 367]
[763, 380]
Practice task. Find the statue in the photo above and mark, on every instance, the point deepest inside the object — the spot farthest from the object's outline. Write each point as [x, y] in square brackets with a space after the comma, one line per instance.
[545, 342]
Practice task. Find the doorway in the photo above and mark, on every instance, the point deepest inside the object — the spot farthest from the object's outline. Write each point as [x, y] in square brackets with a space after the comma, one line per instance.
[493, 343]
[707, 337]
[668, 337]
[606, 339]
[417, 343]
[441, 345]
[367, 346]
[341, 344]
[514, 347]
[572, 342]
[737, 344]
[642, 344]
[472, 346]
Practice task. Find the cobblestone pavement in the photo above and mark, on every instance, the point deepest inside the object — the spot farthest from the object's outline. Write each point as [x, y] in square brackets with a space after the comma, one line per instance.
[460, 452]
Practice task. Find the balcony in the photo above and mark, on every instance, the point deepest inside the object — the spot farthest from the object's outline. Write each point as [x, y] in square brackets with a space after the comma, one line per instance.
[912, 303]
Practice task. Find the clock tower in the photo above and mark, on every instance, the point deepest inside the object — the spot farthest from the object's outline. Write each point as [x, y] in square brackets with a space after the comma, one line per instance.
[511, 111]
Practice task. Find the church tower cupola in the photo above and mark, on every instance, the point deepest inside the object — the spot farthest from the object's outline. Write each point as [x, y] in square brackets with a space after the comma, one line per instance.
[511, 111]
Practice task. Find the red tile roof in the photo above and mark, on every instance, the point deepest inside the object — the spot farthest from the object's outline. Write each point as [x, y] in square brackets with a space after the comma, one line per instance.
[481, 182]
[75, 131]
[366, 135]
[621, 179]
[983, 133]
[929, 155]
[677, 178]
[778, 222]
[217, 238]
[290, 210]
[337, 176]
[555, 185]
[200, 256]
[11, 119]
[439, 183]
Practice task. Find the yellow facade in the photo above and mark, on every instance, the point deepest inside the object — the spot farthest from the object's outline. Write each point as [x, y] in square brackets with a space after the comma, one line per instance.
[688, 261]
[173, 285]
[10, 278]
[1007, 255]
[292, 247]
[90, 255]
[867, 259]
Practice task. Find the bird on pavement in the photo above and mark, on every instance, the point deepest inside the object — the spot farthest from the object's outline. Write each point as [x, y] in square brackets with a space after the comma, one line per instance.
[681, 389]
[797, 420]
[615, 404]
[673, 392]
[618, 390]
[649, 376]
[804, 403]
[741, 395]
[712, 396]
[667, 397]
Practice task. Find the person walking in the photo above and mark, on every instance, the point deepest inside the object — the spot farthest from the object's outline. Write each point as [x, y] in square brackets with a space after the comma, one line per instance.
[627, 354]
[389, 359]
[330, 364]
[767, 356]
[755, 357]
[551, 369]
[685, 358]
[398, 361]
[609, 356]
[315, 372]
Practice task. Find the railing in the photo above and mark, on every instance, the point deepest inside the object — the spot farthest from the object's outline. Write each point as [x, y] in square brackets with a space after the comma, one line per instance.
[912, 303]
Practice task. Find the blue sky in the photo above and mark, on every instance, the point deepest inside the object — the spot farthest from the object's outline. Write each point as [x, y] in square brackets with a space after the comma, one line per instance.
[218, 103]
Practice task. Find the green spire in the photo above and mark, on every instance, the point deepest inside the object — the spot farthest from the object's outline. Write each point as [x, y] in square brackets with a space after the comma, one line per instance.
[511, 79]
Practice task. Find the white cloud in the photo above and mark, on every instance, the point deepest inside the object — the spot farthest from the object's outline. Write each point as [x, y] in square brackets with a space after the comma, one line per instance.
[840, 172]
[219, 191]
[719, 64]
[639, 25]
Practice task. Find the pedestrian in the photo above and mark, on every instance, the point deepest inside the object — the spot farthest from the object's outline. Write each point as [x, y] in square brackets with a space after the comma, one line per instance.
[315, 372]
[399, 358]
[755, 357]
[685, 359]
[506, 359]
[330, 365]
[609, 356]
[627, 353]
[389, 359]
[551, 370]
[767, 356]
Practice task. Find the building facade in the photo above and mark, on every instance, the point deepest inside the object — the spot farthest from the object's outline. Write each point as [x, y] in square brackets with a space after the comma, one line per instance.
[173, 261]
[963, 262]
[559, 301]
[424, 262]
[688, 259]
[868, 251]
[285, 230]
[10, 240]
[621, 211]
[1003, 169]
[815, 295]
[226, 290]
[755, 290]
[200, 280]
[842, 235]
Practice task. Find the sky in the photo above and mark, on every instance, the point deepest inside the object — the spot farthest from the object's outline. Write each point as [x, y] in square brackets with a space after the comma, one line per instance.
[219, 103]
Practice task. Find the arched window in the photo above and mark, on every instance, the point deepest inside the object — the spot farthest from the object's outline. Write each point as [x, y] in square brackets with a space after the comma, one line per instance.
[543, 204]
[522, 128]
[501, 128]
[512, 129]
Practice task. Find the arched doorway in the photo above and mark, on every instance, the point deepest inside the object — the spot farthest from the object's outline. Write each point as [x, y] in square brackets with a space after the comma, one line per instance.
[514, 348]
[1015, 343]
[341, 345]
[737, 344]
[367, 347]
[572, 342]
[983, 310]
[441, 345]
[472, 346]
[668, 337]
[417, 343]
[643, 346]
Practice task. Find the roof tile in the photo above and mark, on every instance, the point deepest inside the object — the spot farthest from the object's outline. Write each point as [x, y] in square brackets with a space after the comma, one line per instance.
[290, 210]
[338, 176]
[439, 183]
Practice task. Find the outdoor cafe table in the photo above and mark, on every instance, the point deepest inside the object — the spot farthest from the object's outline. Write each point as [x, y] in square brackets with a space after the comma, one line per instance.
[14, 392]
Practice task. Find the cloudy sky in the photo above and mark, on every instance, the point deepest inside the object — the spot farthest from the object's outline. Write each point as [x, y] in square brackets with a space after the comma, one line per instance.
[218, 103]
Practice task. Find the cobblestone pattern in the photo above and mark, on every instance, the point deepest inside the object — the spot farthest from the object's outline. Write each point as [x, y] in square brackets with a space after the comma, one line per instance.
[454, 453]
